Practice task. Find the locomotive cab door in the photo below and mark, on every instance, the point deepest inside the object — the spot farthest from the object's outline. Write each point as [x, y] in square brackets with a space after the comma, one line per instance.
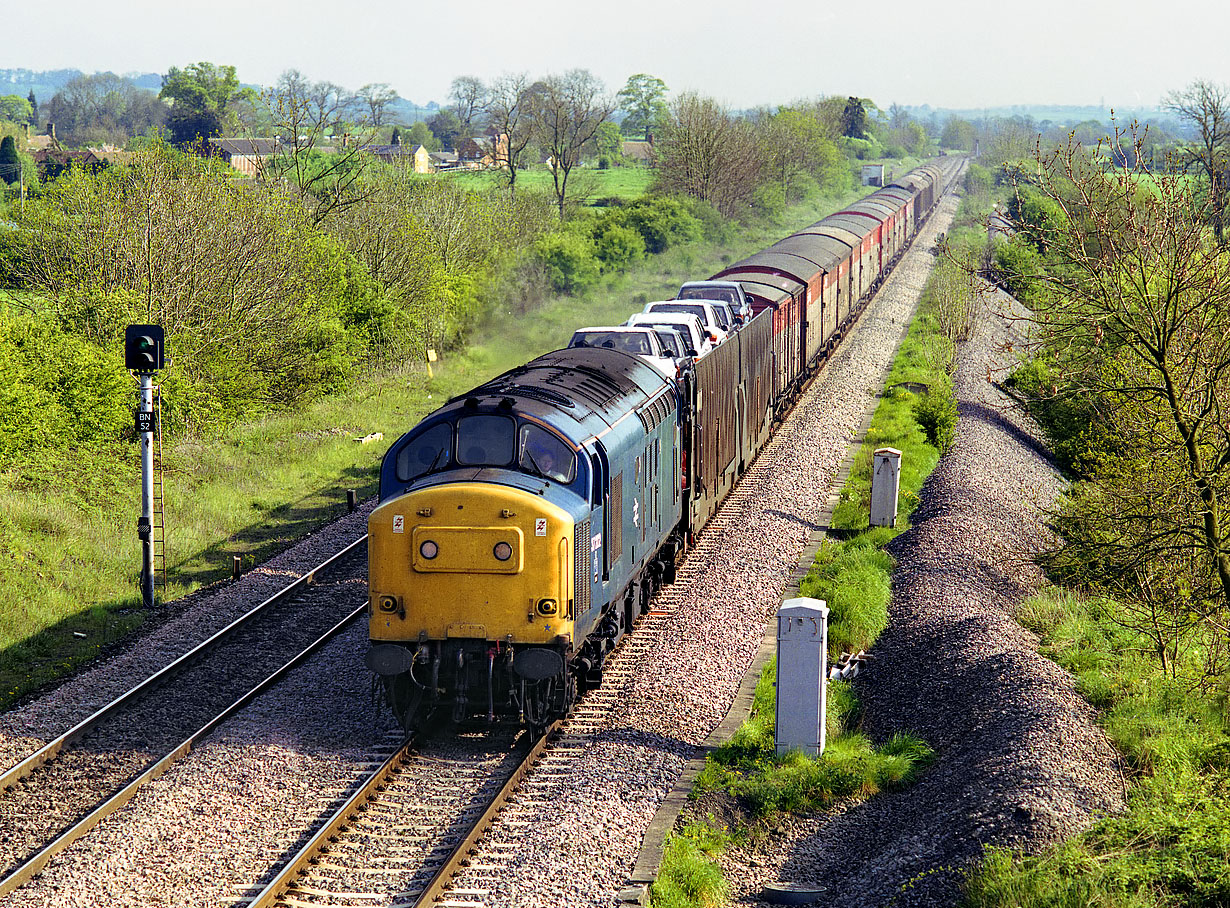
[601, 501]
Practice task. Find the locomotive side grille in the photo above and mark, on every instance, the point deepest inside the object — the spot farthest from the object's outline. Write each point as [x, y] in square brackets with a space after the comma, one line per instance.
[581, 549]
[616, 542]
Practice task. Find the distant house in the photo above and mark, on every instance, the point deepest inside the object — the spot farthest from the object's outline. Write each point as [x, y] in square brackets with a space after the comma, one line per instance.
[445, 160]
[483, 151]
[52, 162]
[422, 160]
[389, 153]
[245, 155]
[40, 143]
[639, 152]
[873, 175]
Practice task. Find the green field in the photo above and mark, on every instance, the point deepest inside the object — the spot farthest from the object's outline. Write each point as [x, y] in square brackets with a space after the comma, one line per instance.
[585, 184]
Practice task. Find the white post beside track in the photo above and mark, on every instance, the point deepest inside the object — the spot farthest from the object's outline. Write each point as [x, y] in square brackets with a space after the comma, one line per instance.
[802, 640]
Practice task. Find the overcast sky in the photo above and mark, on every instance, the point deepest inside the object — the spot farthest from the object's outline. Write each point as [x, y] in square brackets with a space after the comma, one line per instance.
[1123, 54]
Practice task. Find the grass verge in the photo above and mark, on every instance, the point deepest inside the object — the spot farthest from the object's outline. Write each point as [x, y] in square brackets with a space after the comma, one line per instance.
[1171, 847]
[852, 574]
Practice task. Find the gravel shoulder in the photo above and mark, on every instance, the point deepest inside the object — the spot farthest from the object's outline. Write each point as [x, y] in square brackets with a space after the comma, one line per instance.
[1020, 761]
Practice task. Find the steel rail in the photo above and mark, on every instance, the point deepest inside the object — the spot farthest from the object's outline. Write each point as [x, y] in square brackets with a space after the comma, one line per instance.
[444, 876]
[51, 750]
[277, 888]
[31, 867]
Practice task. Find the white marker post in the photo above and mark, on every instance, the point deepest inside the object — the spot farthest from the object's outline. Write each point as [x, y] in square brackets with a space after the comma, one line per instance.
[802, 641]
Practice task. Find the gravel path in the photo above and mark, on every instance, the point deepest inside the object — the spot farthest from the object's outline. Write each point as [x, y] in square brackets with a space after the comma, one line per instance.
[1019, 760]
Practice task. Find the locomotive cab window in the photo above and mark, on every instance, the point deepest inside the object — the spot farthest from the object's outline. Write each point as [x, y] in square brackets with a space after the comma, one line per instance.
[485, 441]
[429, 451]
[540, 452]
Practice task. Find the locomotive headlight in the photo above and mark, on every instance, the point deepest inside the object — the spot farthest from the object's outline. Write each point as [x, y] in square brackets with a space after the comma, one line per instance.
[547, 607]
[388, 603]
[429, 549]
[502, 551]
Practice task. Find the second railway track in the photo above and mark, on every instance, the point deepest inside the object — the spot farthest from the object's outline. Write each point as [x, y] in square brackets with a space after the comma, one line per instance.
[61, 791]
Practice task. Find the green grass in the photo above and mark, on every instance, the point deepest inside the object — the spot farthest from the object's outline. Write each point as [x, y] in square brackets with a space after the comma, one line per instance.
[1171, 847]
[766, 785]
[585, 185]
[689, 876]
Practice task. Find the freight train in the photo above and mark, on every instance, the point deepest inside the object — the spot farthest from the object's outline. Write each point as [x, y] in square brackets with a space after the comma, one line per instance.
[525, 525]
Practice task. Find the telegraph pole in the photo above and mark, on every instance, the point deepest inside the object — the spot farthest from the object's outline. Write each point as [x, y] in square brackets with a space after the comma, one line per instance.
[143, 354]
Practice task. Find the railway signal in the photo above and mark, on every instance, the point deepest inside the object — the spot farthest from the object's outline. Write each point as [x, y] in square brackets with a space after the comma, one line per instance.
[143, 348]
[143, 354]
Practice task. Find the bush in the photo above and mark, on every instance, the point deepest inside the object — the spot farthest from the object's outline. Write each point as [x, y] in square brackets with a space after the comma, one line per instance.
[978, 180]
[936, 412]
[58, 393]
[662, 221]
[769, 200]
[617, 246]
[1017, 268]
[568, 259]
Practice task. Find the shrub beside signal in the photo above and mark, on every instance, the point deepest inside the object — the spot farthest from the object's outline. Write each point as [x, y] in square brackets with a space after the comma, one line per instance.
[143, 348]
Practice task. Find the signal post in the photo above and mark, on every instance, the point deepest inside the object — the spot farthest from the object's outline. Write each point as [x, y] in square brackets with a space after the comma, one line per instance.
[143, 354]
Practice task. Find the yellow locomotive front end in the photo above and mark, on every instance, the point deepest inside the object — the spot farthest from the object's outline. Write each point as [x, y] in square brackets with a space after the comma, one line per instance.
[471, 600]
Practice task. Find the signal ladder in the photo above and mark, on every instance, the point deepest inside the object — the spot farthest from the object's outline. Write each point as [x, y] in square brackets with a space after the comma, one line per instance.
[158, 536]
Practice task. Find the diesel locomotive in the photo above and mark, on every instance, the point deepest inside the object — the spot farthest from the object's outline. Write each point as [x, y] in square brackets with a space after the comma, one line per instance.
[524, 526]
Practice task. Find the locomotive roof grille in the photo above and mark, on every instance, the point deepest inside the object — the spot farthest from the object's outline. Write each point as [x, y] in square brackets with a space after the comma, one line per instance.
[544, 394]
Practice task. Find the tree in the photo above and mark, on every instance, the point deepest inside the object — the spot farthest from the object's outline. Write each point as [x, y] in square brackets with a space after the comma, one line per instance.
[15, 108]
[958, 134]
[103, 108]
[445, 126]
[419, 134]
[854, 119]
[796, 144]
[709, 154]
[641, 99]
[1205, 107]
[232, 274]
[469, 97]
[510, 116]
[570, 108]
[304, 113]
[201, 96]
[33, 108]
[1134, 326]
[376, 97]
[10, 163]
[609, 141]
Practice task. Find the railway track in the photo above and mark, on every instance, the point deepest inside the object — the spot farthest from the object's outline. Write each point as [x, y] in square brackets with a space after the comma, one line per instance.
[414, 830]
[62, 791]
[419, 821]
[402, 830]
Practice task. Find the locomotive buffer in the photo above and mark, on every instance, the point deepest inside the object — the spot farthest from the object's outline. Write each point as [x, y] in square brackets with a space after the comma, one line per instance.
[143, 354]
